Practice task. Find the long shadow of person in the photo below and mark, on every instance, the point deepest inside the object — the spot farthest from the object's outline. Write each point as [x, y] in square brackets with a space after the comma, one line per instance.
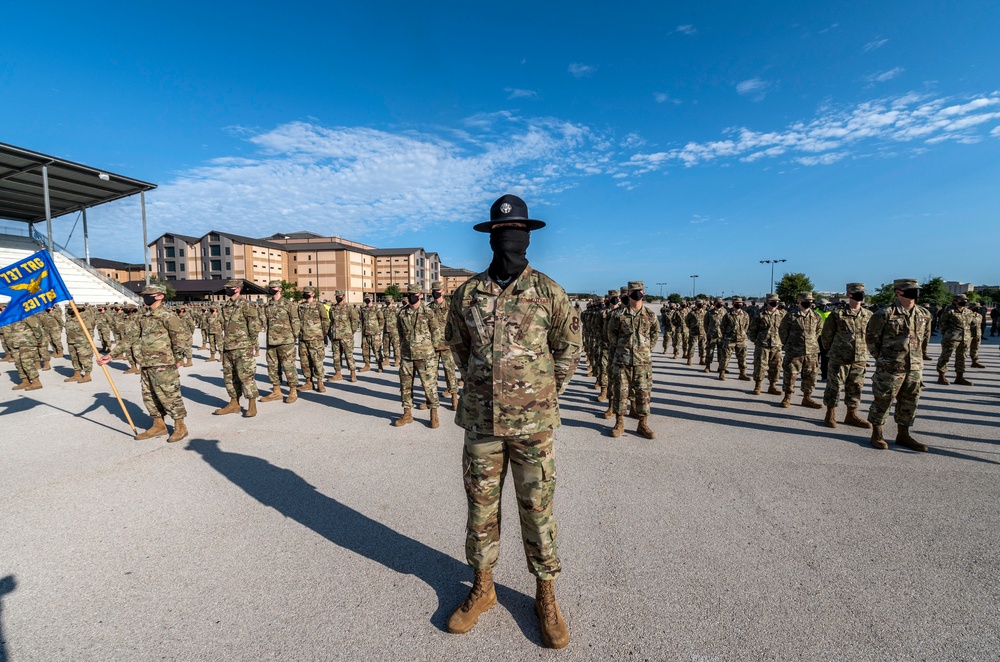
[7, 585]
[109, 402]
[293, 497]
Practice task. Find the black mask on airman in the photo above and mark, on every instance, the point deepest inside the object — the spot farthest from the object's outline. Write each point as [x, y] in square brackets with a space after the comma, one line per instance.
[413, 299]
[149, 299]
[858, 296]
[230, 291]
[635, 295]
[340, 299]
[510, 246]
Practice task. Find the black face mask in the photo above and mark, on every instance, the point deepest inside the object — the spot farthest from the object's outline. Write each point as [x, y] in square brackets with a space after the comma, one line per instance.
[413, 299]
[718, 305]
[307, 295]
[230, 291]
[509, 248]
[737, 306]
[911, 293]
[149, 299]
[858, 296]
[368, 302]
[806, 305]
[960, 304]
[635, 295]
[340, 299]
[271, 291]
[437, 294]
[772, 304]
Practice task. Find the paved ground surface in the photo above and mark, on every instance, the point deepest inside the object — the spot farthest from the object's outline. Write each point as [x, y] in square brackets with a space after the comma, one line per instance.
[318, 531]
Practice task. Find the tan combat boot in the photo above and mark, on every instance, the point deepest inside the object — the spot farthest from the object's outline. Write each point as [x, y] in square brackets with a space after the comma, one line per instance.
[689, 360]
[366, 367]
[251, 409]
[307, 386]
[84, 377]
[942, 379]
[232, 408]
[188, 363]
[631, 410]
[555, 634]
[407, 417]
[962, 381]
[772, 389]
[926, 356]
[743, 376]
[786, 401]
[75, 377]
[676, 354]
[435, 423]
[977, 364]
[619, 427]
[644, 429]
[878, 441]
[831, 417]
[807, 401]
[756, 388]
[481, 599]
[46, 365]
[335, 377]
[180, 431]
[852, 418]
[158, 429]
[34, 384]
[722, 376]
[603, 395]
[903, 438]
[21, 385]
[319, 387]
[454, 400]
[707, 368]
[275, 394]
[354, 376]
[293, 395]
[211, 358]
[608, 414]
[422, 406]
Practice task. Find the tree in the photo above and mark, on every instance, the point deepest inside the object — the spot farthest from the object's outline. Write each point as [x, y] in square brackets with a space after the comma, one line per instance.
[675, 298]
[171, 292]
[884, 295]
[290, 291]
[393, 292]
[934, 291]
[790, 285]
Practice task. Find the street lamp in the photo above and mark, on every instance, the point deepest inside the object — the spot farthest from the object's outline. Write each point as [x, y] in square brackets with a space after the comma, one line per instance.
[694, 279]
[661, 289]
[772, 263]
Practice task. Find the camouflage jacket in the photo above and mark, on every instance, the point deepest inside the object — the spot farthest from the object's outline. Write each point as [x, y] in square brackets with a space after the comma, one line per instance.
[665, 320]
[282, 322]
[955, 324]
[734, 327]
[102, 320]
[695, 321]
[419, 333]
[240, 324]
[713, 322]
[844, 335]
[632, 334]
[390, 314]
[314, 321]
[213, 323]
[160, 339]
[895, 338]
[602, 325]
[677, 320]
[25, 333]
[763, 329]
[372, 321]
[187, 324]
[74, 334]
[51, 321]
[799, 332]
[516, 349]
[129, 333]
[343, 322]
[441, 311]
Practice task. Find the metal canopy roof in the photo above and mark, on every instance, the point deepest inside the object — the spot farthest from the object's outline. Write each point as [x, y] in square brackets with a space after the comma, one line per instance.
[72, 186]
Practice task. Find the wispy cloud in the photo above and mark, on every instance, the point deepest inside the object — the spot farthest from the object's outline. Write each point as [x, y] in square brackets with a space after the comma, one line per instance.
[580, 70]
[515, 93]
[837, 134]
[755, 88]
[885, 75]
[685, 29]
[663, 97]
[832, 26]
[875, 44]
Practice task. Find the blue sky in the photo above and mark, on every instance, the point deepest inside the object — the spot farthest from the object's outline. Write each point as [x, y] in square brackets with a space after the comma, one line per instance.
[856, 140]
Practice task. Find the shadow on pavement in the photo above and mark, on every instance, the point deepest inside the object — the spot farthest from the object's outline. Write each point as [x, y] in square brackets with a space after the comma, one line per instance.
[17, 405]
[109, 402]
[293, 497]
[7, 585]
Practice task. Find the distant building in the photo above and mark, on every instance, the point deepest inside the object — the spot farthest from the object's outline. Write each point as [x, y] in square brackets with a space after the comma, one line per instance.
[452, 278]
[122, 272]
[955, 287]
[400, 266]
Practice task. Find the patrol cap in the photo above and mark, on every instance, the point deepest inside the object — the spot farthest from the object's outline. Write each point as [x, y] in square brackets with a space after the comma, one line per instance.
[276, 284]
[308, 288]
[773, 297]
[234, 283]
[508, 209]
[612, 293]
[413, 288]
[805, 296]
[905, 284]
[961, 296]
[154, 288]
[718, 300]
[623, 290]
[737, 299]
[635, 285]
[437, 285]
[339, 293]
[855, 287]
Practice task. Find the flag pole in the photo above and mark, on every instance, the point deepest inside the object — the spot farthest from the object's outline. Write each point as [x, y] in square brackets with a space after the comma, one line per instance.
[107, 374]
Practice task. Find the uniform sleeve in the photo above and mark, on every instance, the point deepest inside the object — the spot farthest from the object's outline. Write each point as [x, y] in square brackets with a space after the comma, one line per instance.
[873, 334]
[355, 320]
[295, 321]
[783, 329]
[564, 339]
[456, 333]
[254, 326]
[176, 333]
[434, 325]
[829, 331]
[654, 331]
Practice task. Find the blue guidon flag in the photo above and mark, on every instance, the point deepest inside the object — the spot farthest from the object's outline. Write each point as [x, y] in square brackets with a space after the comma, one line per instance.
[33, 285]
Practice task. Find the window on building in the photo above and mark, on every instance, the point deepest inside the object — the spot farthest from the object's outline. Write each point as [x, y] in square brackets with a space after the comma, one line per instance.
[229, 266]
[181, 252]
[295, 271]
[227, 250]
[171, 266]
[295, 258]
[310, 270]
[213, 237]
[182, 266]
[169, 251]
[310, 257]
[216, 265]
[215, 251]
[168, 240]
[203, 252]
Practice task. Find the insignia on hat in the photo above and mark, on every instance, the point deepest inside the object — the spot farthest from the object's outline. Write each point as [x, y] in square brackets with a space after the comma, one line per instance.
[505, 208]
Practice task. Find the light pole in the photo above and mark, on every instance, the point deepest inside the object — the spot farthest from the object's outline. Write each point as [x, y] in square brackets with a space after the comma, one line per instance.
[694, 279]
[772, 263]
[661, 289]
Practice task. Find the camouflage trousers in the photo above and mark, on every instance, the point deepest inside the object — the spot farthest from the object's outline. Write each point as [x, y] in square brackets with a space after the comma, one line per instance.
[26, 361]
[667, 336]
[601, 368]
[213, 342]
[239, 368]
[712, 345]
[132, 356]
[904, 388]
[680, 341]
[311, 355]
[281, 358]
[792, 365]
[484, 463]
[726, 350]
[695, 342]
[974, 343]
[766, 360]
[102, 334]
[342, 348]
[631, 383]
[188, 341]
[82, 356]
[161, 392]
[427, 370]
[371, 346]
[947, 348]
[444, 356]
[54, 337]
[390, 341]
[850, 377]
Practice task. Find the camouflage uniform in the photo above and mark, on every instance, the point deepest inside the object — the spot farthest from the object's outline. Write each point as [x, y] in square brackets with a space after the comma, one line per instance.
[102, 328]
[894, 337]
[632, 334]
[390, 332]
[734, 339]
[713, 332]
[282, 330]
[956, 322]
[419, 334]
[314, 323]
[22, 339]
[159, 347]
[372, 321]
[695, 323]
[763, 332]
[844, 340]
[517, 349]
[603, 367]
[444, 355]
[52, 322]
[680, 330]
[187, 331]
[213, 325]
[976, 335]
[240, 328]
[799, 332]
[666, 325]
[80, 351]
[343, 323]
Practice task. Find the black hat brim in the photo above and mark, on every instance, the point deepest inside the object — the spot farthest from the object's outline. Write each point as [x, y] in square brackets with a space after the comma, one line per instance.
[488, 225]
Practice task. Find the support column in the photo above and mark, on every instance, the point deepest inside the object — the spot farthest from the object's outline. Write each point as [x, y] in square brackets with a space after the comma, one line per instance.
[48, 204]
[145, 240]
[86, 238]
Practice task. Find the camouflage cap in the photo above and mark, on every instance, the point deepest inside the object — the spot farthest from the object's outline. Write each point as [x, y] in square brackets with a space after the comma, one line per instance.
[773, 297]
[737, 299]
[308, 288]
[635, 285]
[805, 296]
[718, 300]
[961, 296]
[623, 290]
[413, 288]
[276, 284]
[339, 293]
[437, 285]
[612, 293]
[855, 287]
[234, 283]
[153, 288]
[905, 284]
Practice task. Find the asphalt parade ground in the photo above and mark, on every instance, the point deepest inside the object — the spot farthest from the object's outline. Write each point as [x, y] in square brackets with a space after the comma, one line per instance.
[317, 531]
